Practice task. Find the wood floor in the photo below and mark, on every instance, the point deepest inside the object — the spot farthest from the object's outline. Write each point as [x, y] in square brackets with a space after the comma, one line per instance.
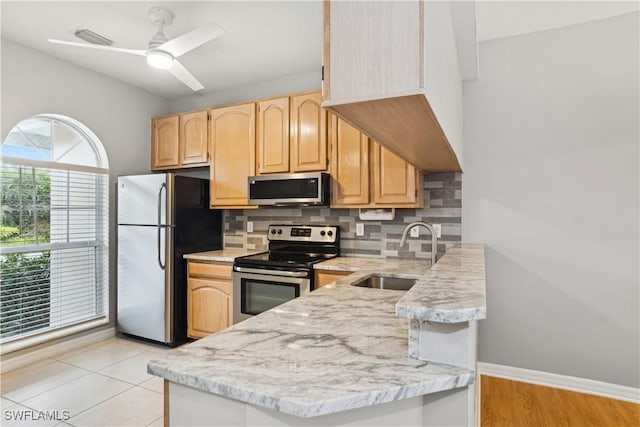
[512, 403]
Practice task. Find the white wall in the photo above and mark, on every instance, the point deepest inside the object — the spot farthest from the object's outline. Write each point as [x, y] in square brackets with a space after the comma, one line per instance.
[551, 185]
[119, 114]
[249, 92]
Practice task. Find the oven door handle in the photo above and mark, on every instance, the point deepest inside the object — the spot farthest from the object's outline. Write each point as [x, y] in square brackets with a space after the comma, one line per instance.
[271, 272]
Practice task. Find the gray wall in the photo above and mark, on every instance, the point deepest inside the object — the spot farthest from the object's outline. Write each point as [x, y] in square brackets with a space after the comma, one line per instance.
[552, 188]
[119, 114]
[442, 205]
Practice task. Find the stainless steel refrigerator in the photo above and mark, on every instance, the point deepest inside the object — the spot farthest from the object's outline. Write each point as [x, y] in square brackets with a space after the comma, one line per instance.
[160, 218]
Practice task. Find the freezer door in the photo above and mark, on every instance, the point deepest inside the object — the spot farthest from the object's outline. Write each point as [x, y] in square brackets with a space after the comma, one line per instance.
[145, 290]
[145, 199]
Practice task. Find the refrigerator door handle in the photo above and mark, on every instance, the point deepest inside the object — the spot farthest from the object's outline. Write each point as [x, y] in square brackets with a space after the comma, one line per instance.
[163, 186]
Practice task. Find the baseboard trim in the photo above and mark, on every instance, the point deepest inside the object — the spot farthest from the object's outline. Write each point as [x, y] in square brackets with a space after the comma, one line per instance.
[581, 385]
[54, 349]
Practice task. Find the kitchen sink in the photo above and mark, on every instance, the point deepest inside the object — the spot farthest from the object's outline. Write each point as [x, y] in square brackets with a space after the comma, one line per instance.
[384, 282]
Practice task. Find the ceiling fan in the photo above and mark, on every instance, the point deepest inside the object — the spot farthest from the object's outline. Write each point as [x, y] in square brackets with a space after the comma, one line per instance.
[162, 53]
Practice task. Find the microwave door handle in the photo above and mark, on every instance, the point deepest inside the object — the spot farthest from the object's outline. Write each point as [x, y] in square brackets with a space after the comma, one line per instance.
[271, 272]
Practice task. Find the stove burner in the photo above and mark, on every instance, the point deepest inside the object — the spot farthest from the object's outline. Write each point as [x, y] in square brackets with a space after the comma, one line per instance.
[295, 249]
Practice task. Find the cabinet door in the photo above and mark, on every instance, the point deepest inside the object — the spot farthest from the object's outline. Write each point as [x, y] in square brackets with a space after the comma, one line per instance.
[308, 133]
[165, 142]
[394, 180]
[209, 303]
[324, 277]
[273, 136]
[233, 147]
[349, 164]
[194, 138]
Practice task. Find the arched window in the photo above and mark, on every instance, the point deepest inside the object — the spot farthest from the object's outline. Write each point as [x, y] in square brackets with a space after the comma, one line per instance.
[53, 231]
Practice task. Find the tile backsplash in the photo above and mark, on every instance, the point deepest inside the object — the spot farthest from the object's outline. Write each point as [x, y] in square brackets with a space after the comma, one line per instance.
[442, 205]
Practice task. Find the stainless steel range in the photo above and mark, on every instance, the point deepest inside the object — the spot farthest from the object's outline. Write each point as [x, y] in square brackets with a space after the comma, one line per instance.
[266, 280]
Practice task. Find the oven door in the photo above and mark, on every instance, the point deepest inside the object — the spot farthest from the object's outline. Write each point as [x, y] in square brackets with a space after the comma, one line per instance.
[256, 290]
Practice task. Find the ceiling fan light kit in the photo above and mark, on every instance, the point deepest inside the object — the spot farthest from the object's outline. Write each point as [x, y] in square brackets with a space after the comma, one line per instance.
[159, 59]
[161, 52]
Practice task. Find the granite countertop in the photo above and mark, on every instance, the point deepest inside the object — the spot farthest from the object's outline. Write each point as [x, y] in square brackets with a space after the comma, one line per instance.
[222, 255]
[341, 347]
[391, 265]
[452, 291]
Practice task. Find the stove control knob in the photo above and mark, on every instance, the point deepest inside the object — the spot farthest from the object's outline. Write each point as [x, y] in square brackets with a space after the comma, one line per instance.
[322, 233]
[329, 233]
[280, 231]
[273, 231]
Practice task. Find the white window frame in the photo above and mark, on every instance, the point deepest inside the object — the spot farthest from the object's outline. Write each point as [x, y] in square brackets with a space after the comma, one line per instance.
[39, 337]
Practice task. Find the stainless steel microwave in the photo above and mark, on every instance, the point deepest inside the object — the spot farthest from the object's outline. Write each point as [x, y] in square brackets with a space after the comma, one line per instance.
[290, 189]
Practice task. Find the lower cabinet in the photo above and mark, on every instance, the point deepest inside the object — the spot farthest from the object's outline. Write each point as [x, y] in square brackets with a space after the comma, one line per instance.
[209, 297]
[324, 277]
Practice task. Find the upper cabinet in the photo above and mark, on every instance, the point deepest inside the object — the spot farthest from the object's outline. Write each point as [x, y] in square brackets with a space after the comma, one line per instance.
[308, 133]
[165, 149]
[292, 134]
[233, 148]
[399, 83]
[365, 174]
[194, 138]
[180, 141]
[273, 136]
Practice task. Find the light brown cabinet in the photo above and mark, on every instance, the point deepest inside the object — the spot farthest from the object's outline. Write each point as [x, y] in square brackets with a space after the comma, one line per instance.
[233, 148]
[365, 174]
[308, 133]
[180, 141]
[349, 164]
[165, 134]
[209, 297]
[273, 136]
[324, 277]
[292, 134]
[194, 138]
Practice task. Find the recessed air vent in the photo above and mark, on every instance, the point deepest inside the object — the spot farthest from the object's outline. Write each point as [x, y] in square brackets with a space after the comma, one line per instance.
[93, 38]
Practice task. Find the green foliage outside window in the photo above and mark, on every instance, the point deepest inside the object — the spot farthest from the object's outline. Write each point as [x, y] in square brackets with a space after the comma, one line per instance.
[24, 306]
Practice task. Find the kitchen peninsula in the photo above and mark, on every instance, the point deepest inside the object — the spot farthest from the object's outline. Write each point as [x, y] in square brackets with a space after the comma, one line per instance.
[341, 355]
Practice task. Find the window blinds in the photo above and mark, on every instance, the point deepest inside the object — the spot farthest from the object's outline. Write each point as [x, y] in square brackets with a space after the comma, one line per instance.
[53, 247]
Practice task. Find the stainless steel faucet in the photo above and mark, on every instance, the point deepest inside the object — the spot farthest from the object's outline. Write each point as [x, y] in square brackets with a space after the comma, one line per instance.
[434, 237]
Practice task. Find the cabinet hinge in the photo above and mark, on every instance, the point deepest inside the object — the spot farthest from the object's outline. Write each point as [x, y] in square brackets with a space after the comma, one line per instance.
[416, 193]
[322, 73]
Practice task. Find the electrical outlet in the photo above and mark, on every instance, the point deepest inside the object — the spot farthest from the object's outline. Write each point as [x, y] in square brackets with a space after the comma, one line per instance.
[438, 228]
[359, 229]
[249, 226]
[226, 226]
[415, 232]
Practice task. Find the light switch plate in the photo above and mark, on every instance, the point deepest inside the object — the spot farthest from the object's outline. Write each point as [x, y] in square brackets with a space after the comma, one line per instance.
[359, 229]
[415, 232]
[249, 226]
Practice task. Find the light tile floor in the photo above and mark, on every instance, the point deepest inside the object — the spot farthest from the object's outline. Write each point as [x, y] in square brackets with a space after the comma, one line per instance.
[102, 384]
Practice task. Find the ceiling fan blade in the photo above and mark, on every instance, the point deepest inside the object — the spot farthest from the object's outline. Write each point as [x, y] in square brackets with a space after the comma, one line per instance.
[191, 40]
[185, 77]
[97, 46]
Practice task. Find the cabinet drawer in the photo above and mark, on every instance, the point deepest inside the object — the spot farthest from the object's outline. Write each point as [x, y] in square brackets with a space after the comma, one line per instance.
[205, 269]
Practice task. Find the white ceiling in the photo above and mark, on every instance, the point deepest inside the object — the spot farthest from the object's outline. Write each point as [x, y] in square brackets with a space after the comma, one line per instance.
[262, 40]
